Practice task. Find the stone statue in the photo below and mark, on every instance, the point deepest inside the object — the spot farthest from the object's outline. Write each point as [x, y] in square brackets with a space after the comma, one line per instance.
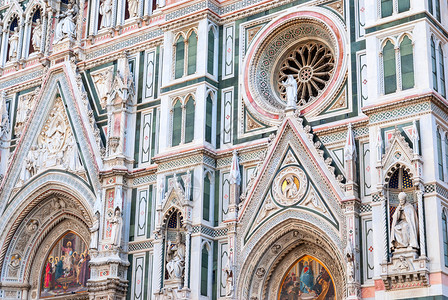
[350, 263]
[402, 265]
[404, 229]
[133, 8]
[71, 154]
[36, 39]
[66, 25]
[94, 231]
[229, 280]
[117, 224]
[106, 13]
[31, 162]
[291, 91]
[176, 258]
[14, 44]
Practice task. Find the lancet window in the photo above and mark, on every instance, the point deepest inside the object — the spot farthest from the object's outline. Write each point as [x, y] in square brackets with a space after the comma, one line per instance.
[398, 76]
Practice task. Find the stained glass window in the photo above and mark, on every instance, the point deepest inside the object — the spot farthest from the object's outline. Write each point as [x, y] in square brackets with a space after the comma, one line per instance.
[208, 118]
[439, 155]
[390, 72]
[407, 64]
[192, 53]
[386, 8]
[404, 5]
[438, 10]
[442, 72]
[204, 271]
[445, 238]
[446, 154]
[180, 54]
[211, 52]
[434, 64]
[177, 123]
[206, 199]
[189, 120]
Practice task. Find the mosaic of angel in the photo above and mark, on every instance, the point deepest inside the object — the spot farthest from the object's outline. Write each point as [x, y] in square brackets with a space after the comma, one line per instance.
[66, 269]
[307, 279]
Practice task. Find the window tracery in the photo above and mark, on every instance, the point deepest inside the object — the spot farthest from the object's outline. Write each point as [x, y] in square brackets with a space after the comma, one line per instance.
[182, 120]
[185, 54]
[397, 64]
[312, 65]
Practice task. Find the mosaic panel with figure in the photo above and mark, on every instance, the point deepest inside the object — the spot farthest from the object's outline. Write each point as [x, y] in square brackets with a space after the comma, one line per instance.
[66, 269]
[307, 279]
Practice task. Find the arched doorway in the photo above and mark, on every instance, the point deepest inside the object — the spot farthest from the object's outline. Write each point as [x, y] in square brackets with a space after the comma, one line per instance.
[44, 216]
[285, 248]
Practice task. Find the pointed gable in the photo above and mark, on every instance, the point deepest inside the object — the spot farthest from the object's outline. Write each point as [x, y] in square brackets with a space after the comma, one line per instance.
[56, 126]
[294, 179]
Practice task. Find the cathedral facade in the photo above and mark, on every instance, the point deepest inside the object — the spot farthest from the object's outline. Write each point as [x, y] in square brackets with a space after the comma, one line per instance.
[223, 149]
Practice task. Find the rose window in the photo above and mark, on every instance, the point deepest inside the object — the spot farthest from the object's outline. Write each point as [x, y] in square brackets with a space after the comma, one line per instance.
[312, 65]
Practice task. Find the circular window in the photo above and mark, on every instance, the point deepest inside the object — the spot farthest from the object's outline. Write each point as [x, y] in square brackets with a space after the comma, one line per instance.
[312, 65]
[308, 45]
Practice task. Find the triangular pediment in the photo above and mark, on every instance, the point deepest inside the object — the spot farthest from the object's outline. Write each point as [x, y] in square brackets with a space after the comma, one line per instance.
[398, 150]
[55, 134]
[294, 176]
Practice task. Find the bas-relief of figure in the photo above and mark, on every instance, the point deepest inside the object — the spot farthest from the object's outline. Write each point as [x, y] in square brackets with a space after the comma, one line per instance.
[66, 25]
[14, 44]
[117, 224]
[404, 229]
[133, 8]
[106, 13]
[36, 39]
[176, 258]
[291, 91]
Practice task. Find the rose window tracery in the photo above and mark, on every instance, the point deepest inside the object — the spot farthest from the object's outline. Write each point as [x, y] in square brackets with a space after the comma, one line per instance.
[312, 65]
[306, 45]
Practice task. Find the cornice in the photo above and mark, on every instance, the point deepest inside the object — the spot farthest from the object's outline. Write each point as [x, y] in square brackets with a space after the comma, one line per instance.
[184, 153]
[387, 105]
[330, 128]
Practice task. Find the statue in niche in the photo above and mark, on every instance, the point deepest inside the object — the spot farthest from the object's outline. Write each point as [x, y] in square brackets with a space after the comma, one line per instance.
[106, 13]
[66, 25]
[117, 224]
[176, 258]
[404, 229]
[133, 8]
[350, 263]
[94, 231]
[36, 39]
[103, 83]
[291, 91]
[229, 280]
[14, 44]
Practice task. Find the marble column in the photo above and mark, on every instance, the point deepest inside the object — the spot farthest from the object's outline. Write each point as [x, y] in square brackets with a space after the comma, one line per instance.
[187, 257]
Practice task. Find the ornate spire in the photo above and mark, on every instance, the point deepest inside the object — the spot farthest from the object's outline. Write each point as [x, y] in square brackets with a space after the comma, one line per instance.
[350, 149]
[235, 177]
